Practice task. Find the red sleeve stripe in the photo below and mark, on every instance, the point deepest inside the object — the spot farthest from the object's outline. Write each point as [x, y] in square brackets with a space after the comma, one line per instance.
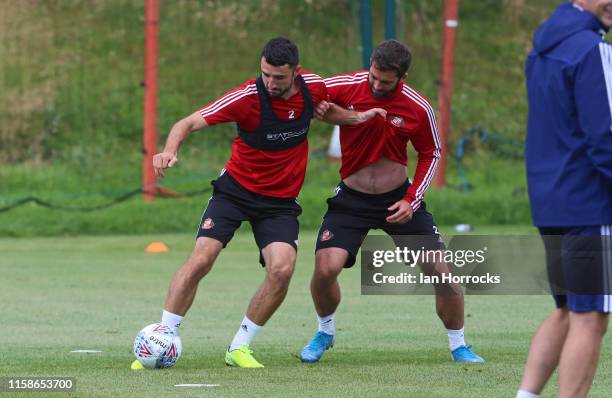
[358, 75]
[420, 192]
[348, 75]
[339, 78]
[416, 97]
[413, 95]
[311, 75]
[228, 99]
[346, 82]
[313, 80]
[428, 177]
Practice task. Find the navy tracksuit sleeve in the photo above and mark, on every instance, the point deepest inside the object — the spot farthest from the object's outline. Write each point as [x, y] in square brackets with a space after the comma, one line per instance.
[593, 93]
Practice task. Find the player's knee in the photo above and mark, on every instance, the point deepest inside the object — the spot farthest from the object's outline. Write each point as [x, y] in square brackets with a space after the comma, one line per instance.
[327, 267]
[199, 264]
[326, 272]
[599, 324]
[595, 323]
[280, 272]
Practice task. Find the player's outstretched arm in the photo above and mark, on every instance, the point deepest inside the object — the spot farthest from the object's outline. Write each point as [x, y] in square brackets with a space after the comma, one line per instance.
[178, 134]
[334, 114]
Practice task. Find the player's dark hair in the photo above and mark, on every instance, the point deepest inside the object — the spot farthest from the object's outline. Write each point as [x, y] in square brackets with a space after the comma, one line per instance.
[281, 51]
[392, 55]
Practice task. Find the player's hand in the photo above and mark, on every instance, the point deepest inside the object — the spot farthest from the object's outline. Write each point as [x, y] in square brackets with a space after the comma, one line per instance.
[162, 161]
[403, 212]
[322, 109]
[371, 113]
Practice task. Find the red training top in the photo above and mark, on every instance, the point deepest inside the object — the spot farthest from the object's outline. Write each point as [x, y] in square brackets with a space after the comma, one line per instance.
[279, 174]
[409, 117]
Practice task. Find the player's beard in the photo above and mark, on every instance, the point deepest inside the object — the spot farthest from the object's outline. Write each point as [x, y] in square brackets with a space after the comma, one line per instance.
[380, 94]
[282, 92]
[279, 93]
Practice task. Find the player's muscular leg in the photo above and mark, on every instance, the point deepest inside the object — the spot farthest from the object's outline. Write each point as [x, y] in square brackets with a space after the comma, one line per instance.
[582, 346]
[280, 263]
[324, 285]
[185, 282]
[449, 297]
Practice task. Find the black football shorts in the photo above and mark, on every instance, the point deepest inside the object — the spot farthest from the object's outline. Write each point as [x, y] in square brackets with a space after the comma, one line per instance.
[272, 219]
[579, 266]
[351, 214]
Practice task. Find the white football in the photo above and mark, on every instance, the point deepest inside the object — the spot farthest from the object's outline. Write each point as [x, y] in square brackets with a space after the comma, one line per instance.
[157, 346]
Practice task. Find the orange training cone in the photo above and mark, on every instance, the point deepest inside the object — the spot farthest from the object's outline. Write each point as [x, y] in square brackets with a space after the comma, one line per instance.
[157, 247]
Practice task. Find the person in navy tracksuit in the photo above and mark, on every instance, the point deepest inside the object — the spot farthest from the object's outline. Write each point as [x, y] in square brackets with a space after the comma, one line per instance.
[569, 175]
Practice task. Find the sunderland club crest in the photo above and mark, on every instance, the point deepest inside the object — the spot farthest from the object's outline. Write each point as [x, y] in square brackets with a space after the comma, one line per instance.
[208, 224]
[397, 121]
[326, 235]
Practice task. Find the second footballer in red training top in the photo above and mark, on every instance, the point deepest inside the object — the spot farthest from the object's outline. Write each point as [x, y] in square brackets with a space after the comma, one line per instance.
[375, 192]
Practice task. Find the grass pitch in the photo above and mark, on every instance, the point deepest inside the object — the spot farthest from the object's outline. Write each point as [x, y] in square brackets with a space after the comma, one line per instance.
[64, 294]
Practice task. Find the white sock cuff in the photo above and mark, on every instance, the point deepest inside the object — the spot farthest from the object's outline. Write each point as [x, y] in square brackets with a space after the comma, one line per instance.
[251, 325]
[456, 332]
[326, 318]
[326, 324]
[245, 334]
[456, 338]
[526, 394]
[172, 320]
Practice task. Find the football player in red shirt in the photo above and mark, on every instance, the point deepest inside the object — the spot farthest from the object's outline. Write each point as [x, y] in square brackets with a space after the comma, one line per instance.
[259, 184]
[375, 192]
